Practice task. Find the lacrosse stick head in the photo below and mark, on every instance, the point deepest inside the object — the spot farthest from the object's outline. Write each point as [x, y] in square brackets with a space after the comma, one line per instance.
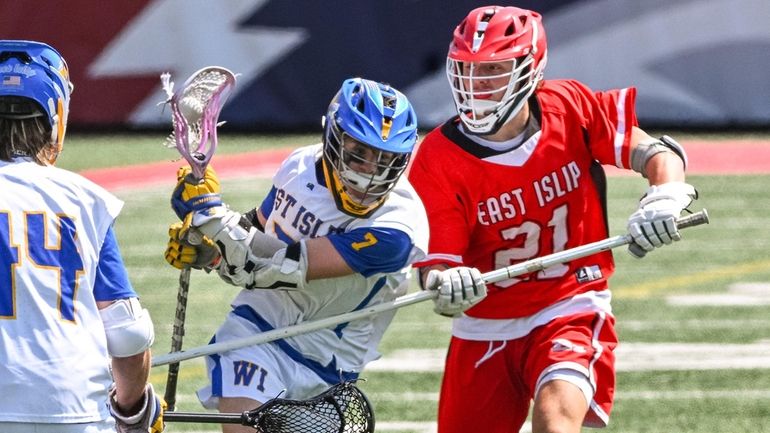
[195, 109]
[343, 408]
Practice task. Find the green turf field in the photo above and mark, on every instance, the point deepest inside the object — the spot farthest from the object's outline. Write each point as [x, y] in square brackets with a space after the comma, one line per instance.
[695, 363]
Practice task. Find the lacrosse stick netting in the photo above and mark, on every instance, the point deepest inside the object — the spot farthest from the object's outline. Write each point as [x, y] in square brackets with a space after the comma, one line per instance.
[343, 408]
[195, 109]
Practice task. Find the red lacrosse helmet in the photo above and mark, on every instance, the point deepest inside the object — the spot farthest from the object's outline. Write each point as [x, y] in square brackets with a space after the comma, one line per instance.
[495, 61]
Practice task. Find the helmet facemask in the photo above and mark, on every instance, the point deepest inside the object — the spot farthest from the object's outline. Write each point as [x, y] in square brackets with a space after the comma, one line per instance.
[486, 98]
[361, 175]
[495, 62]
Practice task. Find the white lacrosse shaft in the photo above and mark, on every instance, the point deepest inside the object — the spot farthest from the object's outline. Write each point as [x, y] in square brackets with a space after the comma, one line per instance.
[495, 276]
[540, 263]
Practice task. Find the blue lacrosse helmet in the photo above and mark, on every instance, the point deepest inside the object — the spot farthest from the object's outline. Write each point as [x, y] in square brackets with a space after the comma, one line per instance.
[34, 82]
[370, 131]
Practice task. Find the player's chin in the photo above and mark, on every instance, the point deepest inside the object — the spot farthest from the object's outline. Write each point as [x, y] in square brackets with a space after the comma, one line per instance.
[363, 198]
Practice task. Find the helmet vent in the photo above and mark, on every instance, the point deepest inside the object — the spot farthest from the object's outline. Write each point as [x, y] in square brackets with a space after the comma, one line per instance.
[20, 55]
[16, 107]
[389, 102]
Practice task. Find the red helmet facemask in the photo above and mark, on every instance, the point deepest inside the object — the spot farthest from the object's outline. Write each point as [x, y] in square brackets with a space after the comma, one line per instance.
[495, 61]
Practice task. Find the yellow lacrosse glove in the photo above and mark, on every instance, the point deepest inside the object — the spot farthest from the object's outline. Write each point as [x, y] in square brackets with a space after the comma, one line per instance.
[149, 418]
[184, 252]
[158, 425]
[191, 194]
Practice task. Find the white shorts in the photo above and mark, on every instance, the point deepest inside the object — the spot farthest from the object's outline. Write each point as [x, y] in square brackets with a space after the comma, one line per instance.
[107, 426]
[262, 372]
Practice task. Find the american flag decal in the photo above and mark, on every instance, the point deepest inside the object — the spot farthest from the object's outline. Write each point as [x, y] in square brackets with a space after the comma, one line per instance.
[11, 80]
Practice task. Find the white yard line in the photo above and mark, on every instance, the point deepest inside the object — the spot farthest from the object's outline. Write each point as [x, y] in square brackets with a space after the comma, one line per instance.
[738, 295]
[410, 426]
[646, 325]
[722, 394]
[718, 300]
[422, 427]
[630, 357]
[430, 427]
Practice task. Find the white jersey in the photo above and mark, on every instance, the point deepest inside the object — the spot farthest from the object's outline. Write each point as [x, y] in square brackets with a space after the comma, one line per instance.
[52, 226]
[300, 207]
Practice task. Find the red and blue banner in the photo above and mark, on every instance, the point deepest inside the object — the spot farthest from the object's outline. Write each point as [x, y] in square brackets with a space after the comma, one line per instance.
[697, 63]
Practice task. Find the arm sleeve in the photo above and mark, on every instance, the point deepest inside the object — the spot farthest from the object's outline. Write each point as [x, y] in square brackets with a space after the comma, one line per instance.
[111, 280]
[370, 251]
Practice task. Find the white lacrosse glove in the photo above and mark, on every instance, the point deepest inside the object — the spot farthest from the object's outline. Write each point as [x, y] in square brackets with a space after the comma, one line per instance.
[149, 419]
[458, 288]
[654, 223]
[286, 270]
[251, 258]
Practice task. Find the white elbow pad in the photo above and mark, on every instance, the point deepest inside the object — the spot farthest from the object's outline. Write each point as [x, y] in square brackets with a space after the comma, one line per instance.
[128, 328]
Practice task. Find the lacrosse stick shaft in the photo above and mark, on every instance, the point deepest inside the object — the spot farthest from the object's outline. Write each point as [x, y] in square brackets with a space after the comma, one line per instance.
[498, 275]
[291, 331]
[176, 338]
[540, 263]
[212, 418]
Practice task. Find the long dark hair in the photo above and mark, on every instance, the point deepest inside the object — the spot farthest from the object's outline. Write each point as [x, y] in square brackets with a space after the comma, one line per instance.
[29, 137]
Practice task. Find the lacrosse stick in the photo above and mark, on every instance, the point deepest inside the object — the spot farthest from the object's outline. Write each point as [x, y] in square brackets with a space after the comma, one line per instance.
[343, 408]
[529, 266]
[195, 109]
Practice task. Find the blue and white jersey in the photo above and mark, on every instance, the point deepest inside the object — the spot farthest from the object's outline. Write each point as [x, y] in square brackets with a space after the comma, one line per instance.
[58, 257]
[380, 249]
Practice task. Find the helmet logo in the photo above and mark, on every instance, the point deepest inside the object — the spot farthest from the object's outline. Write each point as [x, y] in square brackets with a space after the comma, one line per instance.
[534, 37]
[387, 123]
[478, 36]
[25, 70]
[11, 80]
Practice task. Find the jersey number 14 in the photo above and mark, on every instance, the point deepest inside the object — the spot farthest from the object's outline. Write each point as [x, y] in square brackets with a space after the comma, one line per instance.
[63, 258]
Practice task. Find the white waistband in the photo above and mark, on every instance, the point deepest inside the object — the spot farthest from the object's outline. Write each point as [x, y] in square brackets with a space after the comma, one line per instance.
[473, 328]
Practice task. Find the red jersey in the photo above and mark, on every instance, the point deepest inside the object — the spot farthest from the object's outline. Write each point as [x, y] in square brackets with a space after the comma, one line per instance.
[490, 209]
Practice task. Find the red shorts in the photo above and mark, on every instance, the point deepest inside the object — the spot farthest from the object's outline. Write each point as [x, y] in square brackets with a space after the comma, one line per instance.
[488, 385]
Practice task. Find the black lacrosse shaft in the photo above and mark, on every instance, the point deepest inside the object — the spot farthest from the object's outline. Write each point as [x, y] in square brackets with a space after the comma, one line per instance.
[213, 418]
[176, 338]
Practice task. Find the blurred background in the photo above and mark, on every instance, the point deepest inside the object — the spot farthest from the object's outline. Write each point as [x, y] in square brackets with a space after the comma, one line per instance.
[697, 63]
[693, 318]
